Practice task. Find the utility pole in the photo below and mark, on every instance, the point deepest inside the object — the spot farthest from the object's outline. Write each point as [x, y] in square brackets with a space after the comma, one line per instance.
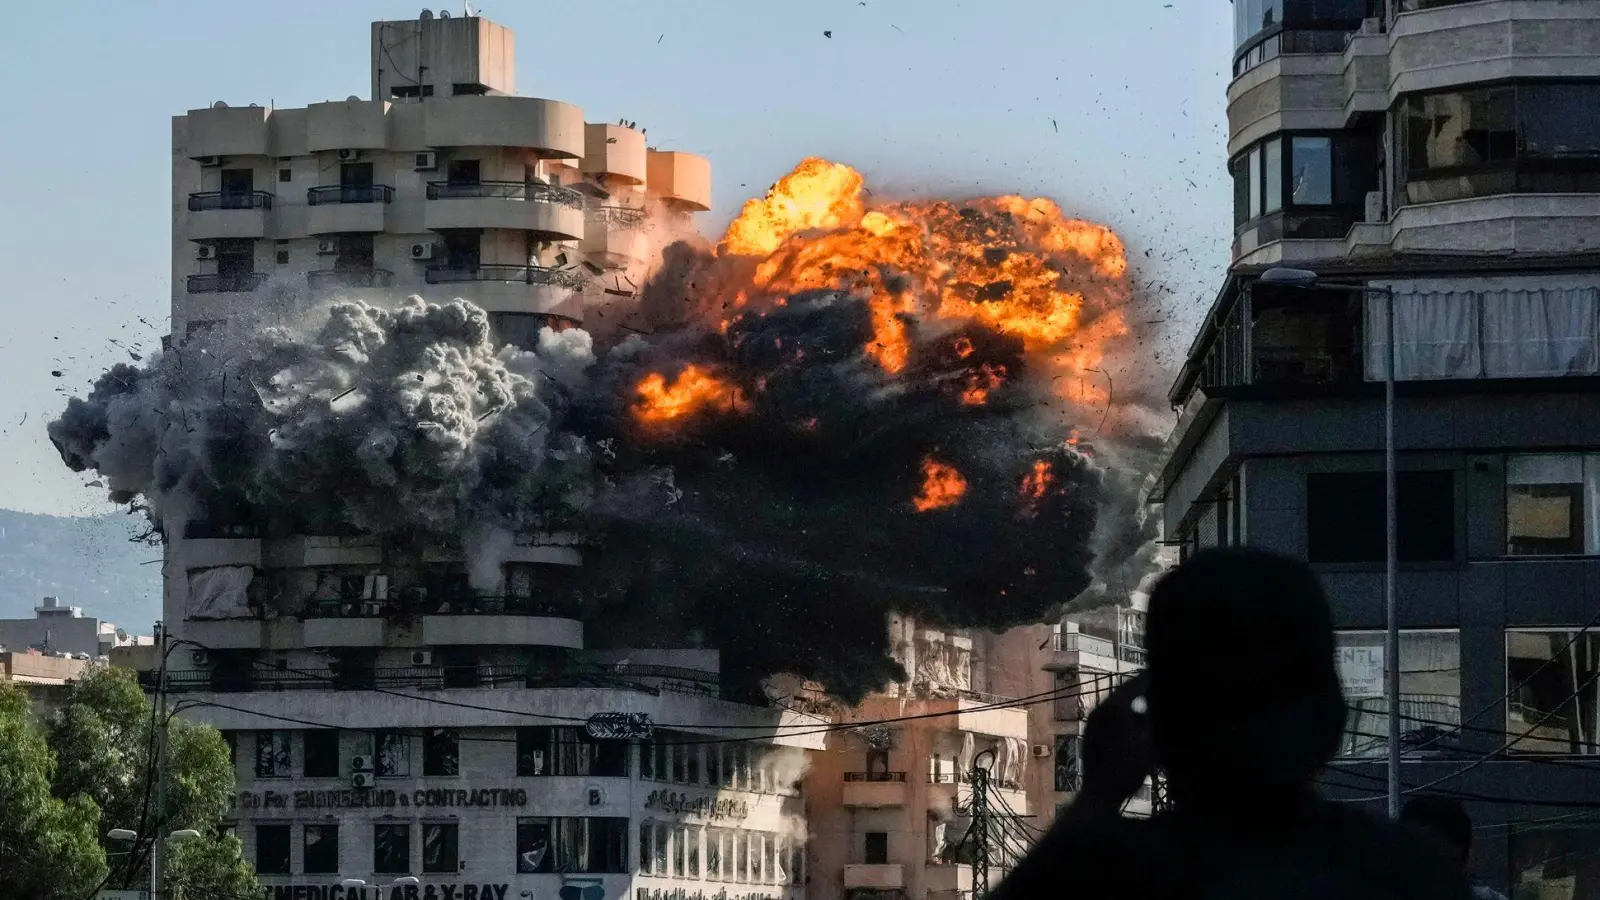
[157, 820]
[980, 831]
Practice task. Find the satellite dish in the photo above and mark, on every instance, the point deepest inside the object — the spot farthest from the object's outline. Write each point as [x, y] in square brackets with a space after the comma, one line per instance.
[352, 99]
[444, 13]
[426, 15]
[219, 105]
[255, 106]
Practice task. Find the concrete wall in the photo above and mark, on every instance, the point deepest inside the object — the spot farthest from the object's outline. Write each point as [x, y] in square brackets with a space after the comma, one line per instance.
[68, 634]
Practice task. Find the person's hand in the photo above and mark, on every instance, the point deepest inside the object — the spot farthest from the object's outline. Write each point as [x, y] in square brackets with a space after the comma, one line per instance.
[1116, 749]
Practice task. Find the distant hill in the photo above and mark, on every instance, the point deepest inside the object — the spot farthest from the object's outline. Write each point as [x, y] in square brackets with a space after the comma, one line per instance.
[88, 562]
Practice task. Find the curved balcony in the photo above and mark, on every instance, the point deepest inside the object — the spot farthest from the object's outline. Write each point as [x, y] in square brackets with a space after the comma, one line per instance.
[553, 213]
[615, 152]
[551, 129]
[336, 209]
[218, 215]
[1473, 43]
[614, 235]
[226, 284]
[515, 289]
[228, 131]
[682, 180]
[339, 279]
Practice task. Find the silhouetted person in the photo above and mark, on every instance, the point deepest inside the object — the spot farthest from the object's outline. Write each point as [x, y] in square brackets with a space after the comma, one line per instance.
[1244, 709]
[1448, 819]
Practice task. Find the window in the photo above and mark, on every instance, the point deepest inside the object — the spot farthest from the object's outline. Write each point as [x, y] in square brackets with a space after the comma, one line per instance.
[691, 852]
[741, 766]
[739, 844]
[660, 848]
[690, 754]
[462, 250]
[797, 863]
[1271, 184]
[1253, 162]
[1345, 520]
[679, 840]
[391, 849]
[875, 848]
[231, 738]
[321, 849]
[574, 845]
[285, 176]
[272, 849]
[1554, 859]
[440, 850]
[1535, 137]
[391, 755]
[570, 751]
[441, 752]
[1326, 178]
[647, 848]
[1551, 505]
[272, 754]
[1068, 770]
[322, 753]
[283, 257]
[1551, 680]
[680, 765]
[713, 765]
[1430, 691]
[1312, 173]
[462, 171]
[714, 841]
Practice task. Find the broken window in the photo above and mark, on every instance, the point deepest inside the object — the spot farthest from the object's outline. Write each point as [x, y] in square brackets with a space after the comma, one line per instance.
[391, 755]
[272, 754]
[441, 752]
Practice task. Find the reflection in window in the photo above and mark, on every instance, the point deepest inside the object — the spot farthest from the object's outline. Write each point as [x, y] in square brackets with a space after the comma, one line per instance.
[1325, 178]
[1554, 701]
[578, 845]
[272, 754]
[391, 849]
[1550, 504]
[1555, 860]
[1313, 171]
[391, 755]
[1272, 165]
[1430, 690]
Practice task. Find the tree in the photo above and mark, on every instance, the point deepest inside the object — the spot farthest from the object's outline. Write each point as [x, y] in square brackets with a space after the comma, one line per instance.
[49, 845]
[103, 742]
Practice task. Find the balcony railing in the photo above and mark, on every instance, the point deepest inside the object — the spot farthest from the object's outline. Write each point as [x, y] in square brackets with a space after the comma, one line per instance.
[338, 193]
[531, 191]
[337, 278]
[875, 776]
[667, 679]
[226, 284]
[618, 216]
[566, 278]
[202, 200]
[423, 604]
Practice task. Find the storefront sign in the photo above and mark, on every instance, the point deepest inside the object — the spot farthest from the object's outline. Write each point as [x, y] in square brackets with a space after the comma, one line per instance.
[380, 799]
[433, 891]
[681, 894]
[1361, 670]
[707, 807]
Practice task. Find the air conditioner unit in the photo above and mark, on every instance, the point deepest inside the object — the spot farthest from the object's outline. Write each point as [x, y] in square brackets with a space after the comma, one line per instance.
[327, 247]
[205, 251]
[425, 161]
[1374, 207]
[201, 657]
[422, 657]
[1041, 751]
[361, 764]
[211, 162]
[349, 155]
[422, 251]
[361, 780]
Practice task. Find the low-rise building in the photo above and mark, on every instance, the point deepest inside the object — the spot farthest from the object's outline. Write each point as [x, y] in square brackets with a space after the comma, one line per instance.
[56, 627]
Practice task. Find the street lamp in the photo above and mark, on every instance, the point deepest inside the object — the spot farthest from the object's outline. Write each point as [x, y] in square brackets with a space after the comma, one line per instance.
[1305, 278]
[128, 834]
[349, 883]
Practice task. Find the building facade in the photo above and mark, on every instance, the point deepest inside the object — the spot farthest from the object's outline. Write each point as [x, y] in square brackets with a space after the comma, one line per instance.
[1441, 156]
[56, 628]
[388, 721]
[444, 183]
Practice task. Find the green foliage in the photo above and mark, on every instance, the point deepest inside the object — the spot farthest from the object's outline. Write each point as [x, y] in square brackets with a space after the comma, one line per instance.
[66, 782]
[50, 847]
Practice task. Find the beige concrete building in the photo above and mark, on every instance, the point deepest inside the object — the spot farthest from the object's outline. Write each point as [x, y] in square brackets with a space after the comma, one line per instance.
[59, 628]
[443, 183]
[388, 720]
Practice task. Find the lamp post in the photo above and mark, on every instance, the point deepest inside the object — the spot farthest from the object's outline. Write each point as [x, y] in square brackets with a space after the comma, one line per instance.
[1305, 278]
[128, 834]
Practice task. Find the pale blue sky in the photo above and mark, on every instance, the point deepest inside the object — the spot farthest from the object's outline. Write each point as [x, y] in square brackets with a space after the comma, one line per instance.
[924, 96]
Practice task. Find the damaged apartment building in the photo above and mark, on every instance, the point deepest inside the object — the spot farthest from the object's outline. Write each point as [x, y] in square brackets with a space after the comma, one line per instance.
[388, 720]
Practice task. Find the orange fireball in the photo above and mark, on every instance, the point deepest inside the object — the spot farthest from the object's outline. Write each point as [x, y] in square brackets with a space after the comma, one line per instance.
[658, 402]
[942, 486]
[1034, 486]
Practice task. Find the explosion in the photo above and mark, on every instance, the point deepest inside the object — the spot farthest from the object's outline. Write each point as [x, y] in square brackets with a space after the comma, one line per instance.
[828, 420]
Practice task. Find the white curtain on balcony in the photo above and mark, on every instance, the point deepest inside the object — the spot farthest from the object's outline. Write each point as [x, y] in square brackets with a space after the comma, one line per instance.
[1438, 336]
[222, 592]
[1531, 334]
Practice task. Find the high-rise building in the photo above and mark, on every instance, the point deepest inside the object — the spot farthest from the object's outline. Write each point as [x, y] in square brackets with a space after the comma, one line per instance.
[1443, 157]
[389, 722]
[444, 183]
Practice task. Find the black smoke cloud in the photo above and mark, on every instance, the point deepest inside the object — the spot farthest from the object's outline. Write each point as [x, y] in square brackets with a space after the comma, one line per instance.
[780, 530]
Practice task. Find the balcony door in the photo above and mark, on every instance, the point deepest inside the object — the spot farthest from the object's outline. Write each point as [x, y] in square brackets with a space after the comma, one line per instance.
[355, 182]
[355, 253]
[462, 251]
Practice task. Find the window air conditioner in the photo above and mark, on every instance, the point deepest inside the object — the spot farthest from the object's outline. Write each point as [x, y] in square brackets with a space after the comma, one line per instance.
[1041, 751]
[211, 162]
[349, 155]
[426, 161]
[206, 251]
[361, 780]
[201, 657]
[361, 764]
[327, 247]
[421, 658]
[422, 251]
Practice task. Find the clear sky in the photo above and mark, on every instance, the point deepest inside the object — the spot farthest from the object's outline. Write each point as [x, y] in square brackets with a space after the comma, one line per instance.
[1114, 109]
